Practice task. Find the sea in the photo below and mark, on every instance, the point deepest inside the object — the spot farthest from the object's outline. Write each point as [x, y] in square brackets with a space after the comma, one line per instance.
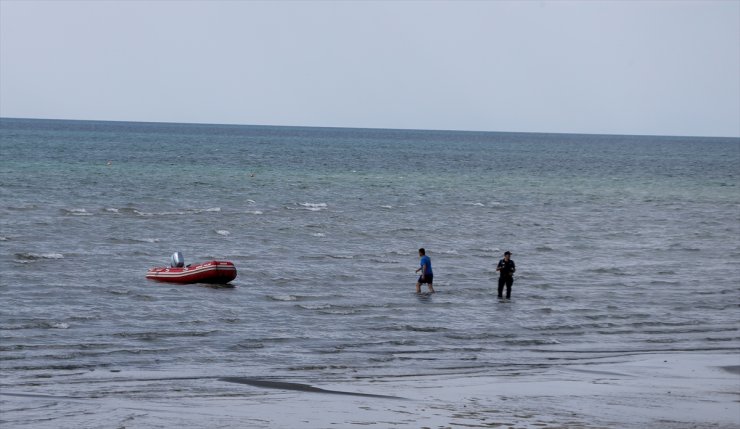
[624, 245]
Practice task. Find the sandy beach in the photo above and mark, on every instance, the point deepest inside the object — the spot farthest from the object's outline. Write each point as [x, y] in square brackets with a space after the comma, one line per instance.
[679, 390]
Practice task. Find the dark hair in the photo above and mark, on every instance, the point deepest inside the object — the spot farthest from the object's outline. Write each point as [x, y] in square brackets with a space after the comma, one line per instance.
[507, 253]
[422, 251]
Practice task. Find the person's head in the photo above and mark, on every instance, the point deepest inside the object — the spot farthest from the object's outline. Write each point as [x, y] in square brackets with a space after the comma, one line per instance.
[507, 255]
[422, 252]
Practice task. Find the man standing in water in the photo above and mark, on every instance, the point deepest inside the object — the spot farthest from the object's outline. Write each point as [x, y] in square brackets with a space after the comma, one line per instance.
[506, 269]
[425, 266]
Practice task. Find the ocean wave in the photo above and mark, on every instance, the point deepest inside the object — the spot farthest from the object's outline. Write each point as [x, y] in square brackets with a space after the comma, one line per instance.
[23, 207]
[127, 292]
[315, 306]
[448, 252]
[76, 212]
[488, 250]
[36, 324]
[471, 337]
[384, 261]
[37, 256]
[183, 212]
[134, 240]
[316, 367]
[608, 270]
[337, 310]
[400, 252]
[246, 345]
[314, 207]
[150, 336]
[340, 256]
[532, 342]
[325, 256]
[283, 297]
[223, 232]
[413, 328]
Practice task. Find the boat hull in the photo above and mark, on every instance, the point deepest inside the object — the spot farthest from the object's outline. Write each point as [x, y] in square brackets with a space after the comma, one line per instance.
[214, 272]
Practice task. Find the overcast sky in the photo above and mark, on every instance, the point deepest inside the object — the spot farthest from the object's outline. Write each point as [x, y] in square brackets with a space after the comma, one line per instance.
[614, 67]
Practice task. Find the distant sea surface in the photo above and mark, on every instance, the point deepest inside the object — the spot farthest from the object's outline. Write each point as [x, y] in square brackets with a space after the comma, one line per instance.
[623, 245]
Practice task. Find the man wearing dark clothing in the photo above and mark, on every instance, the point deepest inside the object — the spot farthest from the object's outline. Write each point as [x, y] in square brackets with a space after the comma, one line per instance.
[506, 269]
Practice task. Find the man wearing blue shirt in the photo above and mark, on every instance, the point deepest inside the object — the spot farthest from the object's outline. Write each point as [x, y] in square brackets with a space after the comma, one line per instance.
[425, 266]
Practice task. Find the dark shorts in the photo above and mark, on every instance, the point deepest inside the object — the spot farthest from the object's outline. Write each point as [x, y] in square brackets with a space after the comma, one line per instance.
[427, 279]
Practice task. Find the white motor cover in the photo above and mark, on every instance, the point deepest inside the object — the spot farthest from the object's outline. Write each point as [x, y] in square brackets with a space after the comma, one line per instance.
[177, 260]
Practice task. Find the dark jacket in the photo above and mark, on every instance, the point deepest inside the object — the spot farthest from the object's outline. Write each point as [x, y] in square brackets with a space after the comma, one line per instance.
[507, 268]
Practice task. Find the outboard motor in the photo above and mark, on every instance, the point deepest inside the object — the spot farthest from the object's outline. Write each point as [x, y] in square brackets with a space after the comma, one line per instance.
[177, 260]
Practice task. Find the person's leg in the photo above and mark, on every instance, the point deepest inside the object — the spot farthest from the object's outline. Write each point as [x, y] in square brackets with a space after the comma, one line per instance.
[500, 287]
[509, 282]
[418, 287]
[431, 289]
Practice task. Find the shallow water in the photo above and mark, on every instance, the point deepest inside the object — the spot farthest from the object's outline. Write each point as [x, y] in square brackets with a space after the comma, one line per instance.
[623, 245]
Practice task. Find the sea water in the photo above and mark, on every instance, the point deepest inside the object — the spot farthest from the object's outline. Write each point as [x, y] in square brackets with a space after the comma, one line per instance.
[623, 245]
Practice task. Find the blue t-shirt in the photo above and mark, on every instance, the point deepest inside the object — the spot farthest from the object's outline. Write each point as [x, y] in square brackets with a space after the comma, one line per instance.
[426, 260]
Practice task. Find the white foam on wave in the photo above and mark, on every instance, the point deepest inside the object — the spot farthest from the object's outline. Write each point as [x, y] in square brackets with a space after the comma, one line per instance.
[60, 325]
[318, 234]
[147, 240]
[36, 256]
[254, 212]
[52, 256]
[314, 206]
[341, 256]
[283, 297]
[177, 213]
[386, 207]
[251, 201]
[315, 306]
[111, 210]
[78, 212]
[223, 232]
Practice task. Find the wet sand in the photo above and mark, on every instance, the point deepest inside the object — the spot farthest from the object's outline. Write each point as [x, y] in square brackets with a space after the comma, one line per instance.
[678, 390]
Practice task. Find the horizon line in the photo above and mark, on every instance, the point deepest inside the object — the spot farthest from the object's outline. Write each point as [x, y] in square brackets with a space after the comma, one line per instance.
[367, 128]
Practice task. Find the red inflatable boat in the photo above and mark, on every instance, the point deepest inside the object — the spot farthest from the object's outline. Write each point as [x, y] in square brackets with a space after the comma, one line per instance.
[219, 272]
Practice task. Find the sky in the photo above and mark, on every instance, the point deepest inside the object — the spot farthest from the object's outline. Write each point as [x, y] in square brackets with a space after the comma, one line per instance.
[604, 67]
